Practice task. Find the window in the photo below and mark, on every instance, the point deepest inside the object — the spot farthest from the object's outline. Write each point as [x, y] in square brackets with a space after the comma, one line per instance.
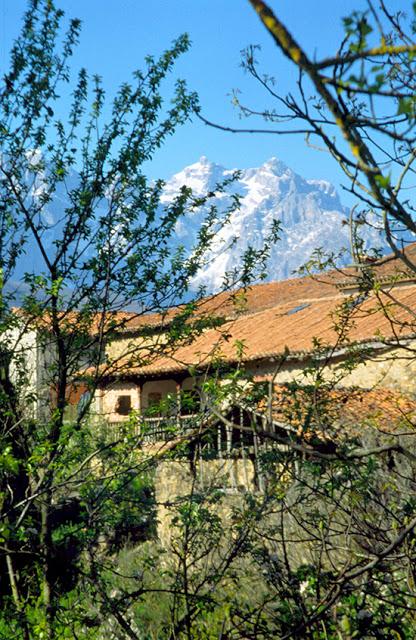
[154, 399]
[123, 406]
[300, 307]
[5, 358]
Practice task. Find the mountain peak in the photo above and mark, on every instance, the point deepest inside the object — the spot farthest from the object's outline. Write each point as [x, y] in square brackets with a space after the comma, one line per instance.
[310, 213]
[203, 164]
[275, 166]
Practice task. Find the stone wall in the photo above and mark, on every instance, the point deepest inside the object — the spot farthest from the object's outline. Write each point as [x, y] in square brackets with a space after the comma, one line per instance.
[176, 479]
[393, 368]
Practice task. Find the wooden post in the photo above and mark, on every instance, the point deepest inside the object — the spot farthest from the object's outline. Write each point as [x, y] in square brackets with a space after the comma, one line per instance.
[229, 435]
[230, 463]
[243, 452]
[139, 387]
[256, 457]
[200, 462]
[178, 406]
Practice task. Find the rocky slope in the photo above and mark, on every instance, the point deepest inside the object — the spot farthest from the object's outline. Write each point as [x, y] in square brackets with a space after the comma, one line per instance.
[310, 213]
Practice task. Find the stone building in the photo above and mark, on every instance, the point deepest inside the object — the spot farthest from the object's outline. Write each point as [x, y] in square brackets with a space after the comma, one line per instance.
[356, 329]
[358, 326]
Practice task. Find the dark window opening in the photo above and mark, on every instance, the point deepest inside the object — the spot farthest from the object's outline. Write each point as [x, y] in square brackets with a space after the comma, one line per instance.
[5, 359]
[123, 406]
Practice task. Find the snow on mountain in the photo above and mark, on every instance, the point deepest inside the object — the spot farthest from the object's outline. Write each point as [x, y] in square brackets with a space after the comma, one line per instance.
[310, 213]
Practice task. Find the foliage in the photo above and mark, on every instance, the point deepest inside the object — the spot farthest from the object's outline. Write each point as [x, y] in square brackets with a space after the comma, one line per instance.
[84, 236]
[336, 538]
[267, 528]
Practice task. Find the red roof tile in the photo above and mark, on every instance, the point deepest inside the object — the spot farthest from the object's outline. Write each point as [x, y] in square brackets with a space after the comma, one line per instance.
[332, 413]
[293, 327]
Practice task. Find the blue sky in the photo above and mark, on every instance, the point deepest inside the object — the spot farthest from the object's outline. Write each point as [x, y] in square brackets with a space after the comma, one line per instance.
[117, 34]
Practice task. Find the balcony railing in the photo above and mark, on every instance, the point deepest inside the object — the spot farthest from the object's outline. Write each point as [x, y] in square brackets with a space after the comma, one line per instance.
[150, 429]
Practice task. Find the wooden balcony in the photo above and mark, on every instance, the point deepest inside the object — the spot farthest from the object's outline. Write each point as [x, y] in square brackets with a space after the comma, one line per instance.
[150, 430]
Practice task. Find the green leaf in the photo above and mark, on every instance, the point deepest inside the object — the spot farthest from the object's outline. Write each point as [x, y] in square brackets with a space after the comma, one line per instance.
[383, 181]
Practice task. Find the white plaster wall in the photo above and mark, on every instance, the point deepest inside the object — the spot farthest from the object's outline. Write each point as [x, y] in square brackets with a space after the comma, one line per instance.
[109, 396]
[164, 387]
[391, 369]
[136, 347]
[21, 343]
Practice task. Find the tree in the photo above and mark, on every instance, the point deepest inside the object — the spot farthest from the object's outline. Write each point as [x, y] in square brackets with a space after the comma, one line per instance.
[324, 550]
[328, 542]
[335, 539]
[75, 200]
[358, 105]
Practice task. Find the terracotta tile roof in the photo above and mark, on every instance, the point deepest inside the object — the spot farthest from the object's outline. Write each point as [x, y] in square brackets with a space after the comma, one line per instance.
[237, 303]
[387, 268]
[292, 328]
[332, 414]
[264, 296]
[287, 317]
[240, 303]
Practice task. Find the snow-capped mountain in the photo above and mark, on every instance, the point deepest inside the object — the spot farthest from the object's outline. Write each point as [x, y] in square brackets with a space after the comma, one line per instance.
[310, 213]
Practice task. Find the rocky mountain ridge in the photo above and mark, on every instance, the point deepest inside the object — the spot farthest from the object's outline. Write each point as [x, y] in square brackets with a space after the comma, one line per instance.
[310, 212]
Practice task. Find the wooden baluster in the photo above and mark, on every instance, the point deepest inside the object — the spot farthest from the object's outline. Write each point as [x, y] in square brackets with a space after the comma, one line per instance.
[138, 408]
[243, 450]
[219, 441]
[178, 407]
[256, 458]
